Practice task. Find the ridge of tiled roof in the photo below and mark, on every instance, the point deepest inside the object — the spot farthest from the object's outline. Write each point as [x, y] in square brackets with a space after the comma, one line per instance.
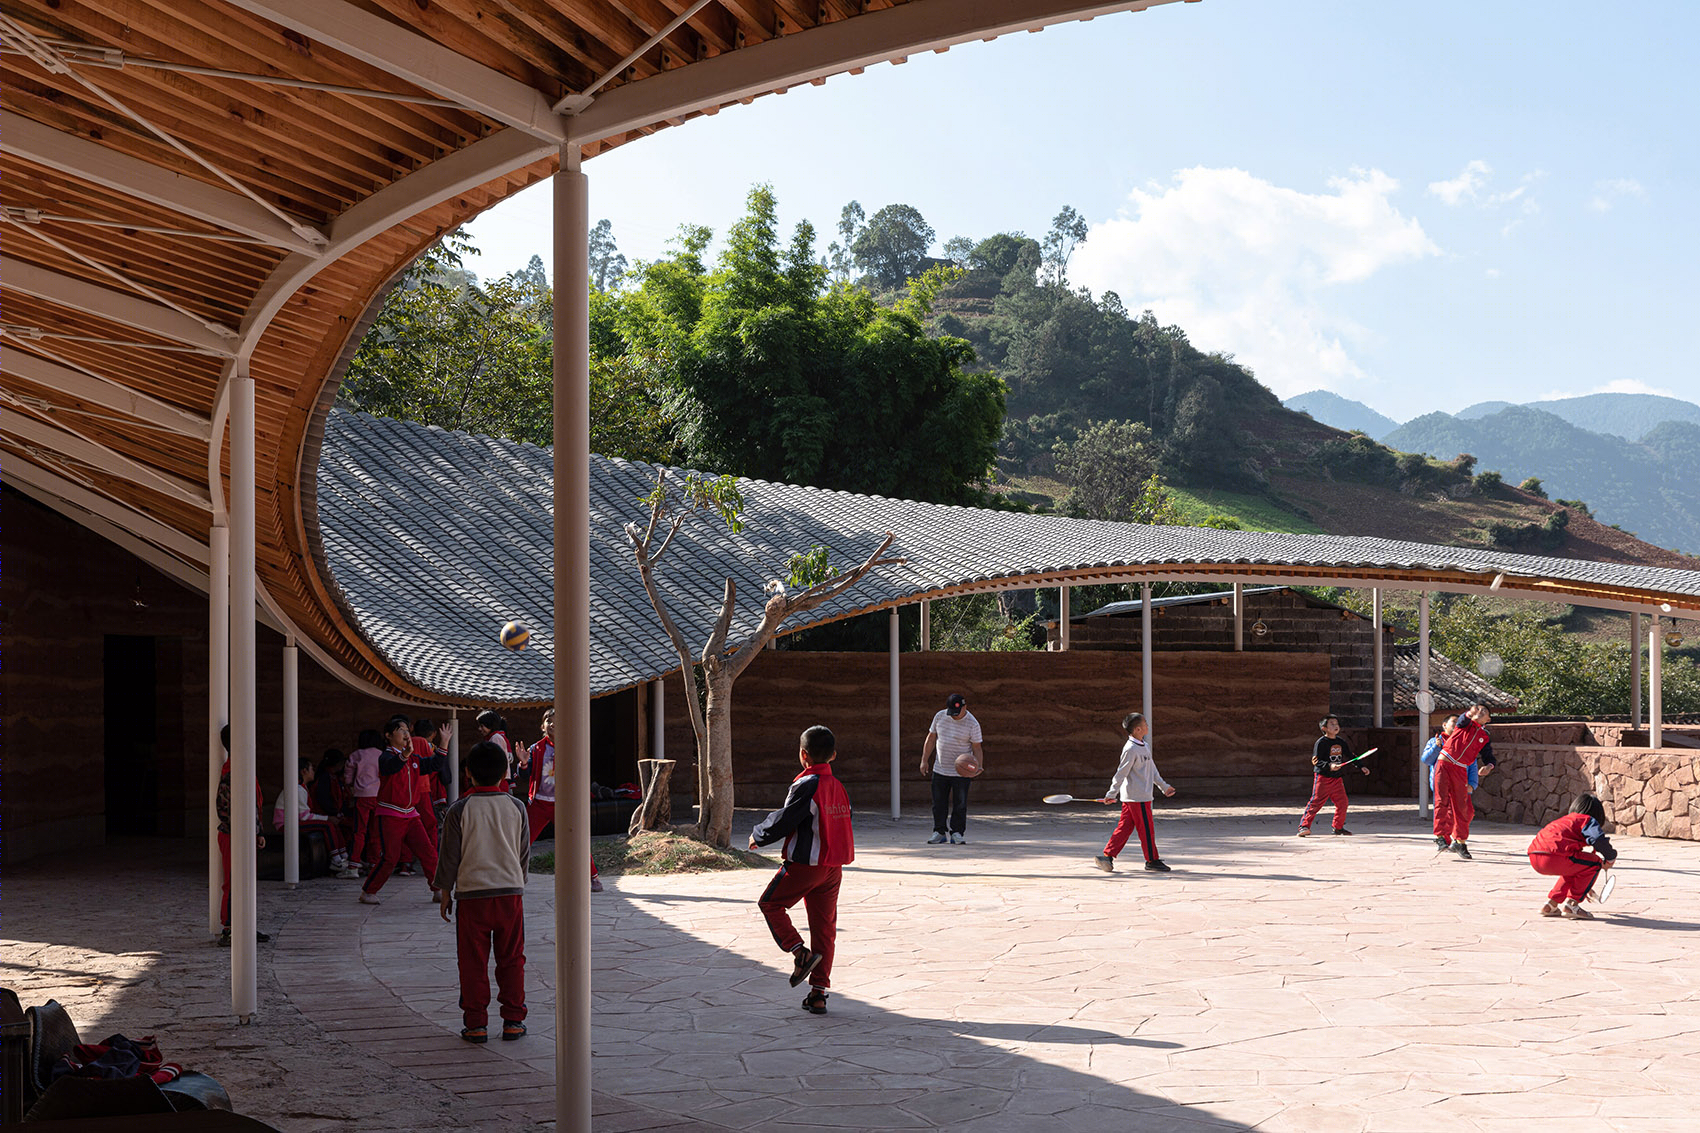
[1455, 687]
[435, 538]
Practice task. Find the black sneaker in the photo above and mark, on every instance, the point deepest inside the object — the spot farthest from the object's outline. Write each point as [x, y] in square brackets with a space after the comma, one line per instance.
[1461, 850]
[805, 963]
[815, 1002]
[1106, 863]
[1441, 843]
[224, 939]
[1341, 830]
[1156, 865]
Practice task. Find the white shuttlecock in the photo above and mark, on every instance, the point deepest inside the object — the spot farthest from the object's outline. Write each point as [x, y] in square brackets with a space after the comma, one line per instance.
[1665, 606]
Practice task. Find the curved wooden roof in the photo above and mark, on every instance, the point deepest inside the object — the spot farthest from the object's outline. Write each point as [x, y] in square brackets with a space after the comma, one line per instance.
[194, 185]
[191, 186]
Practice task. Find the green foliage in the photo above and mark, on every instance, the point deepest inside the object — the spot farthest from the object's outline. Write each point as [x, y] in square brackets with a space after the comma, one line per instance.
[719, 496]
[1533, 486]
[1068, 232]
[975, 623]
[1358, 458]
[808, 568]
[1105, 468]
[1220, 522]
[1154, 505]
[1530, 538]
[1253, 512]
[892, 246]
[1577, 505]
[607, 266]
[771, 374]
[1487, 482]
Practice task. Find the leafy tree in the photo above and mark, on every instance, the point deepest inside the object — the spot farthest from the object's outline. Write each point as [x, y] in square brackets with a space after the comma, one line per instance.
[607, 265]
[850, 224]
[893, 246]
[1105, 469]
[959, 250]
[1068, 232]
[775, 376]
[812, 582]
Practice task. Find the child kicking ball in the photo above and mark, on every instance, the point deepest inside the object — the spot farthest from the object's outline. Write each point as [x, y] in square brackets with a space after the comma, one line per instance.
[1575, 850]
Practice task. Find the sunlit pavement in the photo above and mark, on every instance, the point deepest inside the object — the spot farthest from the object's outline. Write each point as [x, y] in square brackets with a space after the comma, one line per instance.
[1361, 983]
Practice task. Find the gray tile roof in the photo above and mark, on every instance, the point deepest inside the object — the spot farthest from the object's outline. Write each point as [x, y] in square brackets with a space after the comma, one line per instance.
[1455, 688]
[434, 539]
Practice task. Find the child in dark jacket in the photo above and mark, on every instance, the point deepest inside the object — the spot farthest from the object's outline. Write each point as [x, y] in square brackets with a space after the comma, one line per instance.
[815, 824]
[1328, 759]
[486, 853]
[1575, 850]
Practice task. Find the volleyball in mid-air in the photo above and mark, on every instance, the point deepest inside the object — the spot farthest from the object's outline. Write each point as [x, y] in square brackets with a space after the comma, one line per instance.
[515, 635]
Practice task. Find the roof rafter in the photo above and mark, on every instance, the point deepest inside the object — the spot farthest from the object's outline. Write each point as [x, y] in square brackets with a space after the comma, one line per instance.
[420, 61]
[103, 302]
[66, 443]
[104, 392]
[101, 165]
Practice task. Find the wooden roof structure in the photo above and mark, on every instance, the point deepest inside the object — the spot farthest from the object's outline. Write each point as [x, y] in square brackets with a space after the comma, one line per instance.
[194, 186]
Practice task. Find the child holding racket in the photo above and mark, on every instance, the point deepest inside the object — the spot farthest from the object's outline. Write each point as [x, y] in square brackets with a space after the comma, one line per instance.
[1132, 783]
[1575, 850]
[1328, 759]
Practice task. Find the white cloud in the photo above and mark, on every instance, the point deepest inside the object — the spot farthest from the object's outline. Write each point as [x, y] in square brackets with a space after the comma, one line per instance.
[1621, 385]
[1607, 193]
[1492, 273]
[1463, 187]
[1248, 267]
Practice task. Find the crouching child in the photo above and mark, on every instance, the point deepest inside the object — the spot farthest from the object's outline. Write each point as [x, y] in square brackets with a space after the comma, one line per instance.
[1575, 850]
[815, 824]
[483, 860]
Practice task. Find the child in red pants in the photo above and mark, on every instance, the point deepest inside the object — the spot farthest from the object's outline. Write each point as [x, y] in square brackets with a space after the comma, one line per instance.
[399, 825]
[1136, 776]
[1328, 759]
[485, 855]
[1575, 850]
[815, 823]
[1453, 807]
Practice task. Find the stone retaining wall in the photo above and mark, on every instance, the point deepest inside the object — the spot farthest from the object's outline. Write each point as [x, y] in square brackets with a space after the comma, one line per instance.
[1651, 793]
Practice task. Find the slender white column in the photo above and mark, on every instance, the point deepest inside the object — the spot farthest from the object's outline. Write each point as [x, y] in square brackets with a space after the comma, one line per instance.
[1635, 671]
[1378, 711]
[1424, 705]
[218, 705]
[1145, 657]
[926, 625]
[291, 754]
[658, 719]
[895, 723]
[572, 642]
[453, 785]
[1239, 617]
[1063, 615]
[244, 994]
[1655, 688]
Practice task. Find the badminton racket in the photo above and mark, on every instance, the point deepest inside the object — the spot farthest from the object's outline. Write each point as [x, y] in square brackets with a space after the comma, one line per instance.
[1058, 800]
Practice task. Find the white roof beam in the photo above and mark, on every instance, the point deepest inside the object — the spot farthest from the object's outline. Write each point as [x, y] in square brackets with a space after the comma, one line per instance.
[829, 49]
[42, 435]
[93, 162]
[116, 519]
[109, 394]
[68, 291]
[416, 59]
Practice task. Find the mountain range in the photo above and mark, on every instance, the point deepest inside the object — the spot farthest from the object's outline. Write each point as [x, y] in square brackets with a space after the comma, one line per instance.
[1630, 416]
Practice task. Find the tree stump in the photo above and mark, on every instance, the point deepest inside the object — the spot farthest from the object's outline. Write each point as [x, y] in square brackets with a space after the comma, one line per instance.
[656, 810]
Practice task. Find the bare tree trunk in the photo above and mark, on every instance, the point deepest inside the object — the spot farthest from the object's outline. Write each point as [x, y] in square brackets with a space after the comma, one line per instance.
[656, 810]
[717, 814]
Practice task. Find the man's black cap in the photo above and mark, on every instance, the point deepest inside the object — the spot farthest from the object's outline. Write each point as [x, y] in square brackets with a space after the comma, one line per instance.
[954, 701]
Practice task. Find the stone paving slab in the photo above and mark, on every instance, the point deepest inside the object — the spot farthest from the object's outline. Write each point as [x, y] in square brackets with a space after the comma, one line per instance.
[1360, 983]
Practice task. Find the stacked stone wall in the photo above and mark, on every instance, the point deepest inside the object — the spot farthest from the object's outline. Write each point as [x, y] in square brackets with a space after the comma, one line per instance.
[1652, 793]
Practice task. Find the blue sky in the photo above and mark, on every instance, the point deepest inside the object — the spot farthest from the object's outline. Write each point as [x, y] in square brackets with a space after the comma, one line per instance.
[1417, 206]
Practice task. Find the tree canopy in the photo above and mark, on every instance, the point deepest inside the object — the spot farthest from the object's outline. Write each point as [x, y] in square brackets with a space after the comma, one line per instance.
[893, 246]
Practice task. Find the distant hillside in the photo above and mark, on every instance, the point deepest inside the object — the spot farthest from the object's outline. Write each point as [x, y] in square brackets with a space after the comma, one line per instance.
[1342, 413]
[1482, 409]
[1649, 488]
[1628, 415]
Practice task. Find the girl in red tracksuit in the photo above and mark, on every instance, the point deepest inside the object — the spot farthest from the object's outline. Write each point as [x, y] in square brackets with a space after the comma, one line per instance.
[1453, 808]
[1575, 850]
[399, 824]
[815, 823]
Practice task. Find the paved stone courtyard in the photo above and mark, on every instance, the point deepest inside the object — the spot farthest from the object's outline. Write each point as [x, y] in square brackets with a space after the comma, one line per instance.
[1268, 983]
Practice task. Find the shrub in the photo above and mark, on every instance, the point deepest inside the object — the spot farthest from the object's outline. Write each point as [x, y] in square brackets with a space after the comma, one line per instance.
[1578, 505]
[1488, 482]
[1359, 458]
[1533, 486]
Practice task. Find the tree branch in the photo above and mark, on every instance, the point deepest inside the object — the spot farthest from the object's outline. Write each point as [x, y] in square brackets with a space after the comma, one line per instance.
[778, 608]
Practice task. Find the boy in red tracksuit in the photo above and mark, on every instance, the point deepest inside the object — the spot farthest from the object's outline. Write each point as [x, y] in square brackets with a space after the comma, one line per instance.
[1575, 850]
[224, 828]
[1328, 757]
[1453, 808]
[399, 824]
[486, 856]
[815, 823]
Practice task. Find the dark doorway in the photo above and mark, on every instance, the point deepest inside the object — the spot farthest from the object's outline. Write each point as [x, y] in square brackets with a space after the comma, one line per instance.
[132, 764]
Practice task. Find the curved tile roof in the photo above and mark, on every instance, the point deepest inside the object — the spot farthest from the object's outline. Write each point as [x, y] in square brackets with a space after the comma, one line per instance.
[435, 539]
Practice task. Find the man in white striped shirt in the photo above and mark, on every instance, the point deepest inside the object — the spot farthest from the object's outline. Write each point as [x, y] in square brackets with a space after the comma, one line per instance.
[954, 733]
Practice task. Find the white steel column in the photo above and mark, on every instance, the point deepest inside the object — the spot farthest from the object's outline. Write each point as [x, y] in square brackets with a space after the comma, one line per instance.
[658, 719]
[1424, 704]
[244, 994]
[1380, 657]
[572, 642]
[896, 724]
[926, 625]
[218, 704]
[1635, 670]
[1239, 617]
[453, 785]
[1655, 688]
[1062, 615]
[291, 755]
[1145, 655]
